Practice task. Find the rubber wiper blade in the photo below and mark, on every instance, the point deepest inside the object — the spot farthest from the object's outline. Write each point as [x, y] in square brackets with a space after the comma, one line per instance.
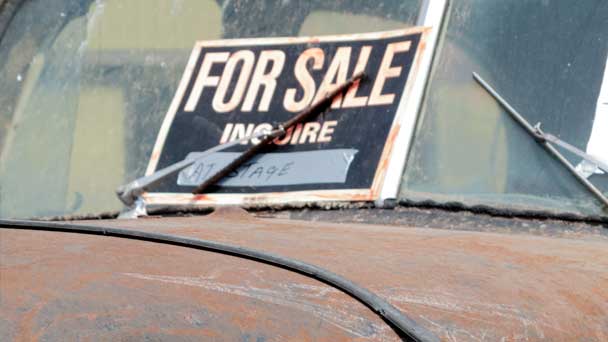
[557, 141]
[544, 139]
[307, 114]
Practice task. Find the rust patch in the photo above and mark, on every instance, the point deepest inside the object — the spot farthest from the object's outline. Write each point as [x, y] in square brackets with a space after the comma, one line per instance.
[231, 212]
[384, 161]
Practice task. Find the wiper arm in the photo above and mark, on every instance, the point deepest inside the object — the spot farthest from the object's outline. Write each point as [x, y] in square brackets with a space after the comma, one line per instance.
[307, 114]
[129, 193]
[544, 139]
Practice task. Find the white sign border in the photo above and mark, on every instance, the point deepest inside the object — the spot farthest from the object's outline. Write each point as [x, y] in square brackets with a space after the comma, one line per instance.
[434, 16]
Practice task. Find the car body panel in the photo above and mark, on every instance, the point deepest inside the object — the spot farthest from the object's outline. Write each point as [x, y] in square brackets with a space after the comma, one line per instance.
[462, 285]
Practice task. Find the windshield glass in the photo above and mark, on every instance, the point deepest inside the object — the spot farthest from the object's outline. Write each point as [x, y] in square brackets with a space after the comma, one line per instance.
[547, 59]
[84, 84]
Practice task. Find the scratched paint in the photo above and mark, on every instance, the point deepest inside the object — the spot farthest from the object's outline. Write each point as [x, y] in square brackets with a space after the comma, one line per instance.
[481, 287]
[336, 314]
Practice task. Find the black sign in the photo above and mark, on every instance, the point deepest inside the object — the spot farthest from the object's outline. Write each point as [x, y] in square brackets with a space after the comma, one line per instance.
[235, 88]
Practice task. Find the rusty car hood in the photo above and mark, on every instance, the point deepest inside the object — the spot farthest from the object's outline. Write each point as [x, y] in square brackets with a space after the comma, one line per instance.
[461, 285]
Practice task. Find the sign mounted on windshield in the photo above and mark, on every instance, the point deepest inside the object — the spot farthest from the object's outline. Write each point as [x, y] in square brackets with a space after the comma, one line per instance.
[232, 89]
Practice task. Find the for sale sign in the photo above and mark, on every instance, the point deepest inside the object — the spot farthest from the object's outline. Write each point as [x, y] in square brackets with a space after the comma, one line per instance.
[235, 88]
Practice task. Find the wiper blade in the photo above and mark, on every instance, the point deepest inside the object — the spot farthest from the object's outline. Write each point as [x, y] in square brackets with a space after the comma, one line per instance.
[307, 114]
[544, 139]
[553, 139]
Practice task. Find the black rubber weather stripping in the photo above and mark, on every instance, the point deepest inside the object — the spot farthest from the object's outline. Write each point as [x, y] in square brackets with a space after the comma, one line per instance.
[405, 325]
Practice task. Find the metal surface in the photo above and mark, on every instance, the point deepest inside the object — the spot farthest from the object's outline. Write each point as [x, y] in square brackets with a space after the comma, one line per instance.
[310, 113]
[136, 210]
[539, 135]
[404, 324]
[463, 286]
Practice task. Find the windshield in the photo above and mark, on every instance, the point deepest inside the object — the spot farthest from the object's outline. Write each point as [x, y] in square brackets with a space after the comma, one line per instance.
[547, 59]
[85, 85]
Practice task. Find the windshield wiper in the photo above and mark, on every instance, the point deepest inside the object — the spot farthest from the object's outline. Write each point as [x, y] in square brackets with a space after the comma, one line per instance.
[307, 114]
[130, 194]
[545, 139]
[591, 159]
[396, 319]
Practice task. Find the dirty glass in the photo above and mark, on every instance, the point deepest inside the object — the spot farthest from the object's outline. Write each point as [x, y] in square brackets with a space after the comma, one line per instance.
[547, 58]
[84, 84]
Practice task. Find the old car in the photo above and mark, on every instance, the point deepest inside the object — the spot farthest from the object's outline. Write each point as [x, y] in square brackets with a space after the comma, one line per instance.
[261, 170]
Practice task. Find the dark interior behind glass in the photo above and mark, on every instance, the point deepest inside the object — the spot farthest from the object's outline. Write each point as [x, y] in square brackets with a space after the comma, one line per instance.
[547, 59]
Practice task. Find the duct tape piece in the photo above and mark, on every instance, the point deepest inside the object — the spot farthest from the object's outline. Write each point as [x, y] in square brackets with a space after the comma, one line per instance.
[271, 169]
